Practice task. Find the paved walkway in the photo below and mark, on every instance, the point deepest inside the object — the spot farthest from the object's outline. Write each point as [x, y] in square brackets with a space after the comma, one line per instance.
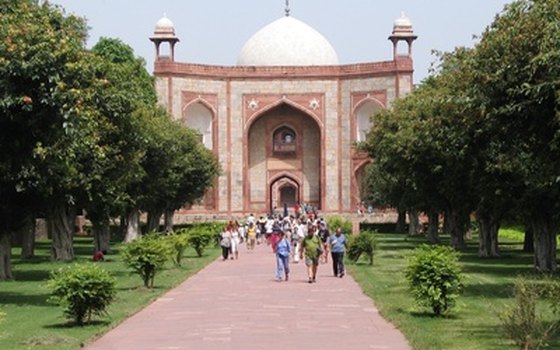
[237, 304]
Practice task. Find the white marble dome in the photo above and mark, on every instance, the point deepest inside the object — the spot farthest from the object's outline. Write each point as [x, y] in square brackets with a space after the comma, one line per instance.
[287, 42]
[403, 21]
[164, 27]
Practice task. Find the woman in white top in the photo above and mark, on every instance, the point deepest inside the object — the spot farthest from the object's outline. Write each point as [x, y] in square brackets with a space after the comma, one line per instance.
[235, 243]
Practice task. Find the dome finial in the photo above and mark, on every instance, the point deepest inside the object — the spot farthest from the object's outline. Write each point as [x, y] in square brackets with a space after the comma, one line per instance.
[287, 10]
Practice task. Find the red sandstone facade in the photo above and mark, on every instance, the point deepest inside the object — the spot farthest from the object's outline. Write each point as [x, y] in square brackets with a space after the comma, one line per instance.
[283, 134]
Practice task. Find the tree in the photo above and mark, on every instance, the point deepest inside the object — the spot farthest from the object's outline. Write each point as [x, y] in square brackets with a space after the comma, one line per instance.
[44, 72]
[422, 152]
[179, 169]
[517, 89]
[128, 88]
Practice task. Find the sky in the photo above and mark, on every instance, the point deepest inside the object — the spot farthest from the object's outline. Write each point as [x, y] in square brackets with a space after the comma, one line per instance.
[214, 31]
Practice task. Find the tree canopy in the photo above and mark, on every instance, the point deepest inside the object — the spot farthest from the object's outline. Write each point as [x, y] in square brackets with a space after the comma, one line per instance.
[482, 134]
[75, 126]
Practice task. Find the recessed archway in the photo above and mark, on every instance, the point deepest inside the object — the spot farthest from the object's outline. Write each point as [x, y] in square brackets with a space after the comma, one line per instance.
[200, 118]
[364, 114]
[359, 184]
[284, 192]
[283, 140]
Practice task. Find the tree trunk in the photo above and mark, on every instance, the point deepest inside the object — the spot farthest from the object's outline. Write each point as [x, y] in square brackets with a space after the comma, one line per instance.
[544, 231]
[457, 221]
[401, 222]
[153, 221]
[5, 256]
[528, 242]
[489, 225]
[413, 222]
[168, 219]
[61, 220]
[102, 235]
[433, 227]
[132, 224]
[123, 225]
[446, 228]
[27, 234]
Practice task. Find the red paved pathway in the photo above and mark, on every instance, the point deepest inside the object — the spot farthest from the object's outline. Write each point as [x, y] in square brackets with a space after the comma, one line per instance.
[238, 305]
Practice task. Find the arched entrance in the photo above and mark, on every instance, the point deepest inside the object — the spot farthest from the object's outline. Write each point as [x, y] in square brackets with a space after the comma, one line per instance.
[359, 184]
[284, 191]
[284, 160]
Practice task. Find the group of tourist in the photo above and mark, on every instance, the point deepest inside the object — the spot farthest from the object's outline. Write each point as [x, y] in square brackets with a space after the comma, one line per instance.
[290, 238]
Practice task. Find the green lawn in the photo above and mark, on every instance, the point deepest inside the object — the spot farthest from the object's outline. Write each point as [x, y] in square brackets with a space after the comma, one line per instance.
[32, 323]
[473, 323]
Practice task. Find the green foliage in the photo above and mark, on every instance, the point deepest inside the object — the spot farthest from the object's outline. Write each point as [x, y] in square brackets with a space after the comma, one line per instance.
[522, 322]
[147, 256]
[199, 238]
[177, 168]
[84, 290]
[2, 316]
[364, 243]
[179, 243]
[34, 323]
[434, 277]
[335, 222]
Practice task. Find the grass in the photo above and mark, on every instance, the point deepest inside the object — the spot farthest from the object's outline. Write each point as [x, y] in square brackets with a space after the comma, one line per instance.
[33, 323]
[473, 323]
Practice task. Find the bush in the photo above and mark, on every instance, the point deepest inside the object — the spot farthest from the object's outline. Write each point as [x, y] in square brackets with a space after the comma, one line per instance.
[335, 222]
[364, 243]
[200, 238]
[83, 290]
[146, 256]
[434, 277]
[178, 243]
[521, 322]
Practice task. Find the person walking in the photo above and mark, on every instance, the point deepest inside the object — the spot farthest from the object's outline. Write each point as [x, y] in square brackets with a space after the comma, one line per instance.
[300, 231]
[251, 236]
[311, 247]
[324, 235]
[225, 243]
[235, 241]
[282, 258]
[338, 245]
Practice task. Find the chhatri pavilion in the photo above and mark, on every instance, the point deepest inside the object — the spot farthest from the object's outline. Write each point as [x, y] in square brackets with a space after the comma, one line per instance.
[284, 121]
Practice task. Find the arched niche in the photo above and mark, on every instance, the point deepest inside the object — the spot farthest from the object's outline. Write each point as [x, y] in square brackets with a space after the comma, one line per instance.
[283, 140]
[364, 116]
[200, 118]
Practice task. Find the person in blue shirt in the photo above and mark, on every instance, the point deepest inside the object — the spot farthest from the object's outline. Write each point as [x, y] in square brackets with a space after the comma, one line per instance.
[282, 250]
[338, 245]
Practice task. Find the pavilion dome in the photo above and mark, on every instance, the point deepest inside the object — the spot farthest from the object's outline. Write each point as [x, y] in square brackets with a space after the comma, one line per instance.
[287, 42]
[164, 28]
[403, 21]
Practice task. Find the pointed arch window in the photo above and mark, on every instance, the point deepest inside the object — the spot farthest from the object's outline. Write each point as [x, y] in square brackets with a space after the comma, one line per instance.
[284, 141]
[200, 118]
[364, 116]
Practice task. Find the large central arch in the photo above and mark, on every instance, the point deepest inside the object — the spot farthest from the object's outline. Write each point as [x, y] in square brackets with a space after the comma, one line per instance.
[283, 162]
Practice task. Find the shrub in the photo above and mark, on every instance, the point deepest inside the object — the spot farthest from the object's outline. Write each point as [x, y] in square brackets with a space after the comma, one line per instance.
[146, 256]
[83, 290]
[178, 243]
[364, 243]
[434, 277]
[335, 222]
[521, 322]
[200, 238]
